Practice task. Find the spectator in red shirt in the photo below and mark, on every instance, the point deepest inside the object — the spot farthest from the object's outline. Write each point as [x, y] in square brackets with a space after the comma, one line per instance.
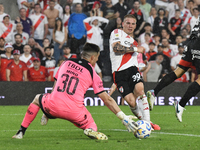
[151, 51]
[5, 59]
[67, 53]
[16, 69]
[38, 72]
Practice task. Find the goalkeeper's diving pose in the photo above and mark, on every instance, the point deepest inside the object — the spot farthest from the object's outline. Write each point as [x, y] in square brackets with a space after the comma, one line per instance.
[190, 59]
[66, 101]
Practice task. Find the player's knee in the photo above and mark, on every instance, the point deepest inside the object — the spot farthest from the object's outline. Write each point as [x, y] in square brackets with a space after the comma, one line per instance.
[36, 100]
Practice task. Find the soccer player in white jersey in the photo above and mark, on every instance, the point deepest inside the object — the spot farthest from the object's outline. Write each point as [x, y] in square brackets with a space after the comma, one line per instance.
[66, 101]
[127, 78]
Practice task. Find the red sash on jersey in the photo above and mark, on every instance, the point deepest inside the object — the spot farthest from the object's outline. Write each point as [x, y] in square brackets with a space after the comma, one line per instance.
[178, 22]
[4, 35]
[138, 13]
[38, 22]
[29, 62]
[66, 23]
[185, 15]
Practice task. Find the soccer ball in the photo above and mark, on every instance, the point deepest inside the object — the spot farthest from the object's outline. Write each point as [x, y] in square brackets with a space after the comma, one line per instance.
[144, 129]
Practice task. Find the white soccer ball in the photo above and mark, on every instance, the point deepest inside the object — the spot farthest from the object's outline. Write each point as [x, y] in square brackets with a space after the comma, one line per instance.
[144, 129]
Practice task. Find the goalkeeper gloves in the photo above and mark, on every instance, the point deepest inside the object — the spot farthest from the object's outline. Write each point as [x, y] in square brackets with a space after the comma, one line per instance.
[128, 121]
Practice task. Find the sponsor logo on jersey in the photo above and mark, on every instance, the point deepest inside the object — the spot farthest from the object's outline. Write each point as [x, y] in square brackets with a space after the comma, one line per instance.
[117, 35]
[20, 66]
[41, 72]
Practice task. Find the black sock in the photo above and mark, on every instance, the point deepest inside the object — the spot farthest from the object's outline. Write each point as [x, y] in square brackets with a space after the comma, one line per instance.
[166, 80]
[192, 90]
[23, 129]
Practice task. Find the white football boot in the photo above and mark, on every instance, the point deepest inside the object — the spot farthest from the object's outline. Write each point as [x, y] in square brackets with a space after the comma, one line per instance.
[95, 135]
[150, 98]
[44, 120]
[178, 111]
[19, 135]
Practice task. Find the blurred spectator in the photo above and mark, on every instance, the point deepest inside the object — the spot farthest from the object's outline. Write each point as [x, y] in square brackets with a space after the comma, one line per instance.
[72, 5]
[45, 4]
[25, 21]
[190, 5]
[24, 4]
[188, 27]
[46, 43]
[2, 14]
[77, 31]
[151, 51]
[40, 24]
[109, 11]
[19, 30]
[60, 61]
[119, 23]
[51, 13]
[96, 11]
[59, 38]
[66, 15]
[146, 8]
[6, 29]
[174, 47]
[152, 16]
[156, 40]
[94, 32]
[147, 38]
[171, 8]
[35, 50]
[67, 53]
[164, 34]
[175, 25]
[5, 59]
[154, 69]
[185, 13]
[161, 4]
[185, 34]
[160, 22]
[136, 11]
[147, 29]
[88, 4]
[195, 18]
[2, 44]
[167, 51]
[26, 57]
[56, 6]
[49, 62]
[38, 72]
[122, 8]
[16, 70]
[18, 43]
[166, 61]
[175, 60]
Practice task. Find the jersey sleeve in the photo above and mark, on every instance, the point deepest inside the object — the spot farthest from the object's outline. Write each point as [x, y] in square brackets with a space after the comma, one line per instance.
[97, 84]
[115, 36]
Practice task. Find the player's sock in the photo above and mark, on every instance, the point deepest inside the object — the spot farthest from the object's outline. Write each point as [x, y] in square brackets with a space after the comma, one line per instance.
[145, 108]
[166, 80]
[30, 115]
[192, 90]
[137, 112]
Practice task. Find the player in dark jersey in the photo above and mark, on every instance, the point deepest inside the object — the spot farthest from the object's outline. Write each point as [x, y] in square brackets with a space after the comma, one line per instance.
[190, 59]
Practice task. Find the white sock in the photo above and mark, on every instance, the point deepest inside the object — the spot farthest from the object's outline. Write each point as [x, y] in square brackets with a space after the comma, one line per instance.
[137, 112]
[145, 107]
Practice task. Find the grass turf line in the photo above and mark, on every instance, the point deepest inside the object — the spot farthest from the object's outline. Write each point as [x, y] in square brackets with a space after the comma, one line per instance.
[61, 134]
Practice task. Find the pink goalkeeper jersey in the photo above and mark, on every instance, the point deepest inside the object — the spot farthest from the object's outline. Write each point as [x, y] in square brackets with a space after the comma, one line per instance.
[74, 77]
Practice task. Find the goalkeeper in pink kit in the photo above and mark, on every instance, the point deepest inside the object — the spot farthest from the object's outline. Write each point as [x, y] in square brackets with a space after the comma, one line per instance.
[66, 101]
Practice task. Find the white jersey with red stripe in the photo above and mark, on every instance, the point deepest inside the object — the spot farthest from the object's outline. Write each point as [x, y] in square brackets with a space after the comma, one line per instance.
[122, 61]
[185, 15]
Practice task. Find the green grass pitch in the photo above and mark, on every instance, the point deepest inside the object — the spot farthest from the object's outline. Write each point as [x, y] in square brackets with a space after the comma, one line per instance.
[63, 135]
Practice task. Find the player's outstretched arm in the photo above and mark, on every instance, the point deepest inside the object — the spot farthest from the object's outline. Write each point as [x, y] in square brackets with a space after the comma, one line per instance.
[127, 121]
[112, 89]
[120, 49]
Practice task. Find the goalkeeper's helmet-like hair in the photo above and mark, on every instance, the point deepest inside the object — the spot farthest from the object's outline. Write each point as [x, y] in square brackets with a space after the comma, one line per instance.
[89, 49]
[195, 30]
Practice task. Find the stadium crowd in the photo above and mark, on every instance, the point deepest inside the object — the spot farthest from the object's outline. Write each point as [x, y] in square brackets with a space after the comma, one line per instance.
[34, 44]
